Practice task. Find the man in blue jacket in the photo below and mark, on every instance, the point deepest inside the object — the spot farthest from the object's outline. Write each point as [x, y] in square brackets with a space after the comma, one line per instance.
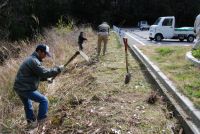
[30, 73]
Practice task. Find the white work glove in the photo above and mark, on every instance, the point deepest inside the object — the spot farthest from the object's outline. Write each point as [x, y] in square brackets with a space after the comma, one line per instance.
[61, 67]
[50, 80]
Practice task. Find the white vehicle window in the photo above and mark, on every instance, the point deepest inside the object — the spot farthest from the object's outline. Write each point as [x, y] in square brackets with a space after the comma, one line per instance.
[143, 22]
[167, 22]
[157, 21]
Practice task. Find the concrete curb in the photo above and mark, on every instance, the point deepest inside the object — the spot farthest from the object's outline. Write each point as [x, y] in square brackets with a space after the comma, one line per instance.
[190, 58]
[183, 105]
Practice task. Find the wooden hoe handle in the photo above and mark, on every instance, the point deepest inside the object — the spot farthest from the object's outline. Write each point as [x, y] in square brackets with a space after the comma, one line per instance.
[72, 58]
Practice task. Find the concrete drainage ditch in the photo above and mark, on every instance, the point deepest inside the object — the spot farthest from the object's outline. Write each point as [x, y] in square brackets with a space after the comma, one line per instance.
[190, 58]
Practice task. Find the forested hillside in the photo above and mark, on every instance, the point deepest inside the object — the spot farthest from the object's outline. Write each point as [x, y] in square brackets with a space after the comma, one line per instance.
[22, 18]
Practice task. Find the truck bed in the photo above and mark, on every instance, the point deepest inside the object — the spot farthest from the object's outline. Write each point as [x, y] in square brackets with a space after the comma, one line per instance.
[184, 30]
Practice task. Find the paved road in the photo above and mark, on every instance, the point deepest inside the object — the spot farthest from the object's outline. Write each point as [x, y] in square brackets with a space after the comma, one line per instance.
[138, 37]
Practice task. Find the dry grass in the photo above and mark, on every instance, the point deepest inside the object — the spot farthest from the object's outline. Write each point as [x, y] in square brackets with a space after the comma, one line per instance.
[60, 53]
[89, 97]
[183, 74]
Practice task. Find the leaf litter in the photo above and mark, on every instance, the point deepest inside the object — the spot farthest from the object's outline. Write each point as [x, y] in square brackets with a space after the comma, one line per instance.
[92, 97]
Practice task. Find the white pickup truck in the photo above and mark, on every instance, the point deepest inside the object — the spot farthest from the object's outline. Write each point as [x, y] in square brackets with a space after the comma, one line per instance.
[164, 28]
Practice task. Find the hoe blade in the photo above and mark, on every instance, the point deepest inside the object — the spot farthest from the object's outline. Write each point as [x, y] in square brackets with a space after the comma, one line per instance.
[84, 56]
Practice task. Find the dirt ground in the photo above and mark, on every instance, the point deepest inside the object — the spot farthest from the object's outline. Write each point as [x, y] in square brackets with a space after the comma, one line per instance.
[98, 101]
[90, 98]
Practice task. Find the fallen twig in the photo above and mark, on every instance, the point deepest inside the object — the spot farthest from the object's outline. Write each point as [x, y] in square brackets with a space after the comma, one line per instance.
[4, 125]
[4, 4]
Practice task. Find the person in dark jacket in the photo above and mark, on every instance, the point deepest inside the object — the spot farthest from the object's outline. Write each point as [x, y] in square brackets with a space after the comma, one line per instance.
[81, 39]
[30, 73]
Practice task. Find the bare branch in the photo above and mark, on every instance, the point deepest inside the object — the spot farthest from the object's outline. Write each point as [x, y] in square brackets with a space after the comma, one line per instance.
[4, 4]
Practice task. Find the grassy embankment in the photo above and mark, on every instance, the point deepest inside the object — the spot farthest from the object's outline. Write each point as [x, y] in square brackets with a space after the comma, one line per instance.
[171, 60]
[87, 97]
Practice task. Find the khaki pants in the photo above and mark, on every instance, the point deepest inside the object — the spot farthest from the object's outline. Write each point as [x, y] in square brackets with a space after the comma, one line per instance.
[101, 38]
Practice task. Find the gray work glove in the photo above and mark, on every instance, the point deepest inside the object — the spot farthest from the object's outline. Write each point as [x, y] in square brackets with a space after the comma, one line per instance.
[50, 80]
[61, 67]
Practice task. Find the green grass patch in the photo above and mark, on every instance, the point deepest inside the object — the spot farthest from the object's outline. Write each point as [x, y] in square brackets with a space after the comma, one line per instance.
[164, 51]
[196, 53]
[159, 59]
[171, 67]
[171, 60]
[191, 90]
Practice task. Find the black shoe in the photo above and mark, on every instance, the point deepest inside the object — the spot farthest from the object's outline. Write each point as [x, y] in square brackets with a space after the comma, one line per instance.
[42, 121]
[32, 125]
[194, 49]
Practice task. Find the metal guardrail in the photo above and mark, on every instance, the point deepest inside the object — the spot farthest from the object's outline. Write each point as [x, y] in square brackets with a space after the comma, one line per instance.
[120, 33]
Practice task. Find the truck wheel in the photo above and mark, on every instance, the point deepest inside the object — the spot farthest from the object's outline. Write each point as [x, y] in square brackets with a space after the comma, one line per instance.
[190, 38]
[158, 37]
[181, 40]
[181, 37]
[150, 38]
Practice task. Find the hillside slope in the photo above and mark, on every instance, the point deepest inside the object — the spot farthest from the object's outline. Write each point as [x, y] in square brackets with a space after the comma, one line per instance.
[92, 97]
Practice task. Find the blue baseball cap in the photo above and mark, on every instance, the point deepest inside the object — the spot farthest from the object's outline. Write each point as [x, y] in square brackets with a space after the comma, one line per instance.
[43, 48]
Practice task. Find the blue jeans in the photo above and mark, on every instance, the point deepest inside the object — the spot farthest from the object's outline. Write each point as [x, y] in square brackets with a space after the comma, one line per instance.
[26, 98]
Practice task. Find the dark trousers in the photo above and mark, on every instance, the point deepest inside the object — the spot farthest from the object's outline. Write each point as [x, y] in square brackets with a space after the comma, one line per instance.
[80, 46]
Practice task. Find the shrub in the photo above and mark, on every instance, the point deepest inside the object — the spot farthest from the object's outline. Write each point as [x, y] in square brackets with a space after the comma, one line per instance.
[196, 53]
[17, 32]
[62, 25]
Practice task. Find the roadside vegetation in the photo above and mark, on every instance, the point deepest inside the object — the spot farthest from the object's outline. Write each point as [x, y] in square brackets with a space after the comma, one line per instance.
[196, 53]
[171, 60]
[86, 97]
